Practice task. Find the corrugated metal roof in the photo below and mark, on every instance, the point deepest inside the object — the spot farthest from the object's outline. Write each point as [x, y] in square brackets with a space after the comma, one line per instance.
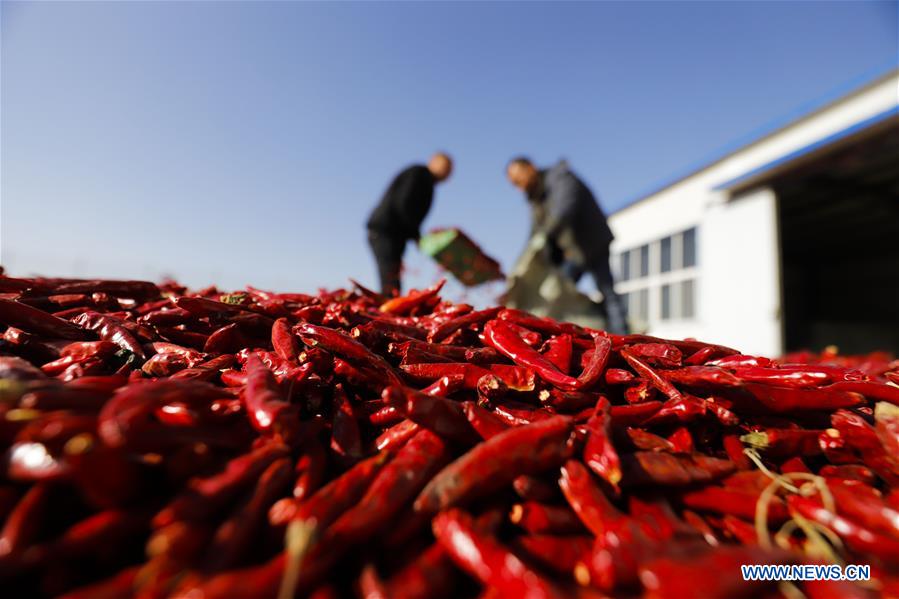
[807, 110]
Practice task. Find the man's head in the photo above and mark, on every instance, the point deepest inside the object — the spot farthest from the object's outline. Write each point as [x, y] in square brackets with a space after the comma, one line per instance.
[523, 174]
[440, 165]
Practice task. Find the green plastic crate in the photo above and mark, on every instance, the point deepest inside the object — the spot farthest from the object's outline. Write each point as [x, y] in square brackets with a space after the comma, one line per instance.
[461, 256]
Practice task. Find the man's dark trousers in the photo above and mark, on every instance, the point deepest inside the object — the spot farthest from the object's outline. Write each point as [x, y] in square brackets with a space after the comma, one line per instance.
[388, 251]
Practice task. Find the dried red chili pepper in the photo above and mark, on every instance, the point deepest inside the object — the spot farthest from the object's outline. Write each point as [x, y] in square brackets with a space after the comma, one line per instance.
[342, 344]
[599, 451]
[442, 416]
[445, 329]
[645, 371]
[204, 496]
[505, 340]
[856, 536]
[486, 559]
[392, 488]
[654, 468]
[37, 321]
[497, 461]
[783, 442]
[540, 518]
[110, 329]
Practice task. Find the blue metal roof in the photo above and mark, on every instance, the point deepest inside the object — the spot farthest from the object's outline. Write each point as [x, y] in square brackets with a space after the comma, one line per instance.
[824, 141]
[800, 112]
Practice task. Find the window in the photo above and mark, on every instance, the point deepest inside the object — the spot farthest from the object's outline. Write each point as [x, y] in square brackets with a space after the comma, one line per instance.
[644, 261]
[625, 270]
[666, 302]
[659, 278]
[689, 248]
[665, 257]
[688, 308]
[644, 305]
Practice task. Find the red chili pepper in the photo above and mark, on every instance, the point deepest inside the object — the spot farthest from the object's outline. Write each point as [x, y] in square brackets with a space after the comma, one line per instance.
[444, 386]
[653, 468]
[856, 536]
[497, 461]
[486, 559]
[740, 360]
[862, 437]
[784, 442]
[781, 377]
[540, 518]
[558, 350]
[783, 400]
[226, 340]
[702, 376]
[169, 316]
[203, 307]
[209, 370]
[442, 416]
[616, 376]
[568, 401]
[234, 536]
[25, 522]
[534, 488]
[445, 329]
[634, 414]
[586, 498]
[737, 502]
[682, 440]
[346, 438]
[384, 415]
[864, 504]
[874, 390]
[701, 356]
[558, 554]
[391, 489]
[342, 344]
[515, 377]
[645, 371]
[126, 419]
[37, 321]
[664, 355]
[734, 449]
[267, 410]
[396, 436]
[205, 496]
[310, 470]
[406, 304]
[599, 451]
[683, 409]
[165, 364]
[505, 340]
[675, 574]
[183, 337]
[483, 421]
[430, 574]
[283, 341]
[111, 329]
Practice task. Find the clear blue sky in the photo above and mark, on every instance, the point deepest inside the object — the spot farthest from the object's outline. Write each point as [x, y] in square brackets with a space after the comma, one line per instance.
[246, 142]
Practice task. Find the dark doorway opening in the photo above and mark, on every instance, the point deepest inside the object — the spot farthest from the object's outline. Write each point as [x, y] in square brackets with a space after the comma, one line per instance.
[839, 233]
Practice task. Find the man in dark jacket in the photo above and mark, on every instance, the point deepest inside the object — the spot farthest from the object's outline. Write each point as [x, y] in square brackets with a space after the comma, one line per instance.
[397, 217]
[567, 216]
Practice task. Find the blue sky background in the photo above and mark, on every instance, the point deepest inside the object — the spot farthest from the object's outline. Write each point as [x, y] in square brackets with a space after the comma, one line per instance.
[237, 143]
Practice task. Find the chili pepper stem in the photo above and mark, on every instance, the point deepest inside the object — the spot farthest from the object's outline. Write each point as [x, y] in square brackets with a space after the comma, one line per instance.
[298, 540]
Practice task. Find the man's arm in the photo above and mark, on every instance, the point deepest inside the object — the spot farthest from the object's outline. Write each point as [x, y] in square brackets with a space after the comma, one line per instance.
[561, 203]
[408, 199]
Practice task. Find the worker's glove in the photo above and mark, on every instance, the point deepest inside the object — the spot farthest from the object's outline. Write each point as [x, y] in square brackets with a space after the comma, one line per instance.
[538, 241]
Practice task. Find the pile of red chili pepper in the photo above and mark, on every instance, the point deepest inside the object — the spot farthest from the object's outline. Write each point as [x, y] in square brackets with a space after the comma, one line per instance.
[161, 443]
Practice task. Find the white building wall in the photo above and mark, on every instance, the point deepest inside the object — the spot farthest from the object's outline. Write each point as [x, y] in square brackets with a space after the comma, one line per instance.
[737, 276]
[740, 298]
